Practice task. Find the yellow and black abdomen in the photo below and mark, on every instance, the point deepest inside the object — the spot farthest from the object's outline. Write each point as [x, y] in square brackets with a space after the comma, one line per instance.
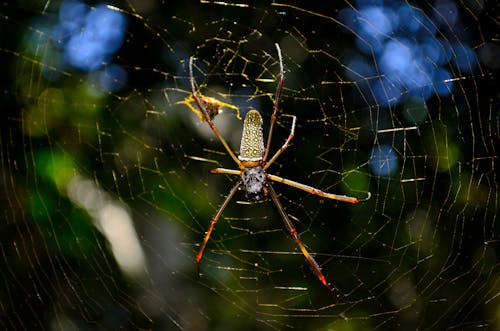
[252, 140]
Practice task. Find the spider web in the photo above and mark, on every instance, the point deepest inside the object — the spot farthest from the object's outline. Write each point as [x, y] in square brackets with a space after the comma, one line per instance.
[105, 169]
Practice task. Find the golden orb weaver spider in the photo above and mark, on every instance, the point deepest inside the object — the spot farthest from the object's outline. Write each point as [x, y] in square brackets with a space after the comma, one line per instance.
[252, 163]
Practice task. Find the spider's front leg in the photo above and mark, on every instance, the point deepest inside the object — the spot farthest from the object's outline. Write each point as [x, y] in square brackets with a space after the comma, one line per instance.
[206, 115]
[286, 144]
[318, 192]
[277, 98]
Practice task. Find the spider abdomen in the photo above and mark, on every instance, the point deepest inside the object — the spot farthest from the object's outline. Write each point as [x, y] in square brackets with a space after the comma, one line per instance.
[254, 180]
[252, 140]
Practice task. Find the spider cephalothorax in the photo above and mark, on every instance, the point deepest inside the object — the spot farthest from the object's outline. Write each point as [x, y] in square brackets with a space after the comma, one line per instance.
[253, 163]
[254, 181]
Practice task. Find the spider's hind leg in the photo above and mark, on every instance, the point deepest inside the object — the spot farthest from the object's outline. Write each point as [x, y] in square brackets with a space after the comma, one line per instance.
[291, 229]
[214, 221]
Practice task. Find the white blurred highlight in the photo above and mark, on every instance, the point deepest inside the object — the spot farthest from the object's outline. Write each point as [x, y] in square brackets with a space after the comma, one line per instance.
[112, 218]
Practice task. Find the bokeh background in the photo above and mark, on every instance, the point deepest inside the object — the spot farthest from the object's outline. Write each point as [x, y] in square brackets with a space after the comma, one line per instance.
[106, 191]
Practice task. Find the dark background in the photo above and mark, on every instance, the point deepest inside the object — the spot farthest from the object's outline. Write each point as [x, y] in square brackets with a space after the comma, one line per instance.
[421, 253]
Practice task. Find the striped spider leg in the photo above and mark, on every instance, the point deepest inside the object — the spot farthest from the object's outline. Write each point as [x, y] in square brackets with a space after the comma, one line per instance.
[206, 115]
[252, 163]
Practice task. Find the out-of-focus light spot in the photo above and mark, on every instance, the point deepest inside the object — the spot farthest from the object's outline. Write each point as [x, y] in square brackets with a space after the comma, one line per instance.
[72, 16]
[397, 43]
[388, 92]
[464, 57]
[383, 160]
[445, 13]
[359, 69]
[112, 218]
[448, 155]
[401, 295]
[410, 18]
[84, 53]
[84, 38]
[444, 152]
[88, 37]
[442, 82]
[447, 49]
[381, 20]
[98, 38]
[489, 54]
[415, 111]
[116, 225]
[373, 27]
[55, 166]
[361, 3]
[53, 61]
[112, 78]
[42, 207]
[427, 27]
[433, 51]
[348, 17]
[397, 58]
[421, 229]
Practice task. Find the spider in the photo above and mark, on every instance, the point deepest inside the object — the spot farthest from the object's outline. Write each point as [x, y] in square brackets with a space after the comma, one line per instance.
[253, 163]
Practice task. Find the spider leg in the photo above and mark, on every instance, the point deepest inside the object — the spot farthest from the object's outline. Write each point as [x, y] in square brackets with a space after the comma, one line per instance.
[285, 145]
[277, 98]
[315, 191]
[206, 116]
[213, 221]
[289, 226]
[225, 171]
